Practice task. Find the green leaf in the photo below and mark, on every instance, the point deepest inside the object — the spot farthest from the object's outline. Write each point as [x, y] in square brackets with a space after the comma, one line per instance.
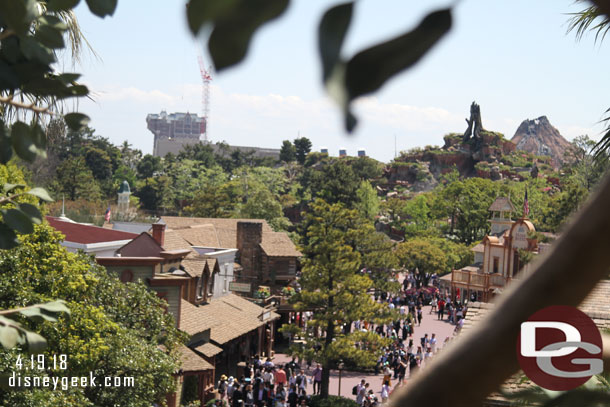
[76, 121]
[18, 14]
[55, 306]
[68, 77]
[17, 220]
[60, 5]
[102, 8]
[36, 343]
[8, 237]
[53, 21]
[229, 41]
[49, 36]
[26, 141]
[78, 90]
[32, 212]
[11, 51]
[37, 313]
[8, 77]
[331, 34]
[40, 193]
[198, 12]
[368, 70]
[9, 187]
[34, 50]
[6, 149]
[9, 337]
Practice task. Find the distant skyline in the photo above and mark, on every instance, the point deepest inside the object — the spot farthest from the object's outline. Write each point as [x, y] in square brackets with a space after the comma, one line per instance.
[514, 58]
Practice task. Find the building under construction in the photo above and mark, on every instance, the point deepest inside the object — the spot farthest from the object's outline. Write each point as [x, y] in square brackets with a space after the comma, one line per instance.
[174, 131]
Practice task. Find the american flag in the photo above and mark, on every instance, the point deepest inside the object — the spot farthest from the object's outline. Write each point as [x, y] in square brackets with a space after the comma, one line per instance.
[107, 214]
[526, 205]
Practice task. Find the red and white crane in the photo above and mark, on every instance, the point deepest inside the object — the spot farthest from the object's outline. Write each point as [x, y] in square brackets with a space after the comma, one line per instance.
[206, 78]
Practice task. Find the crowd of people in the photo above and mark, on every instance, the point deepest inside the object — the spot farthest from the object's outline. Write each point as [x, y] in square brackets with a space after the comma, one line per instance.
[405, 356]
[264, 384]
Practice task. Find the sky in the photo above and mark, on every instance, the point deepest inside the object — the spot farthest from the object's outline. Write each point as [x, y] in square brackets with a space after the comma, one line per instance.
[514, 58]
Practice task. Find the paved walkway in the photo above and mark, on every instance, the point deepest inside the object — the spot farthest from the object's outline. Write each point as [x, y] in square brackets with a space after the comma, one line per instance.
[430, 325]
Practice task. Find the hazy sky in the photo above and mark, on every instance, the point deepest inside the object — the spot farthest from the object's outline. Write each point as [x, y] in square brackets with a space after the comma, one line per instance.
[513, 57]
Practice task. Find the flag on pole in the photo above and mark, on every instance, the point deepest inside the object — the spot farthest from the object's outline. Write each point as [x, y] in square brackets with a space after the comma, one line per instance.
[526, 206]
[107, 214]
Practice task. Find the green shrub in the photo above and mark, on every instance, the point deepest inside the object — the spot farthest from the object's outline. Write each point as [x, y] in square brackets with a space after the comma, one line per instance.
[331, 401]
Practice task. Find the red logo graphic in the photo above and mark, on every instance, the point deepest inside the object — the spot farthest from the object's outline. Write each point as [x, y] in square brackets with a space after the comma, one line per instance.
[560, 348]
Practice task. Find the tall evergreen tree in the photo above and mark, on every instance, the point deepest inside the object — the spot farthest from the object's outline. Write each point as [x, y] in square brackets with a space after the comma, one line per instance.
[302, 146]
[337, 293]
[288, 152]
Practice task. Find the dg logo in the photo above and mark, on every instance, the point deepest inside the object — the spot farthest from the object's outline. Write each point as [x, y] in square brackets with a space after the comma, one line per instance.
[560, 348]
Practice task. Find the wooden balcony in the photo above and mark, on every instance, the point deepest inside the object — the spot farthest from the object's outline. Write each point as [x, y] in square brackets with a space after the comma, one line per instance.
[477, 281]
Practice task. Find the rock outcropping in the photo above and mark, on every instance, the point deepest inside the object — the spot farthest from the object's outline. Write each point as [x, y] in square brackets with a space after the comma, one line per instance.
[539, 137]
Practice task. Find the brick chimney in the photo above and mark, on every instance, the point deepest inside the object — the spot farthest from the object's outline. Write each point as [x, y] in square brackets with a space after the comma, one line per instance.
[158, 232]
[249, 238]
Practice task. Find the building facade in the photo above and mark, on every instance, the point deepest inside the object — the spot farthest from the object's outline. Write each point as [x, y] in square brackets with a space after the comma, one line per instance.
[174, 131]
[502, 255]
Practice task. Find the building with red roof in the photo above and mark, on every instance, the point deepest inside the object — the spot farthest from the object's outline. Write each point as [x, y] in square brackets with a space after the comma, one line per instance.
[91, 239]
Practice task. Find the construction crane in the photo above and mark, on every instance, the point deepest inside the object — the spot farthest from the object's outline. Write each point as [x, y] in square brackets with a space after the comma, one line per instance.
[206, 78]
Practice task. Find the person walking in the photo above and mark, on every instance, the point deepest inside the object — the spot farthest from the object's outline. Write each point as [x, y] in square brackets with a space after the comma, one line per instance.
[441, 309]
[385, 391]
[433, 343]
[317, 379]
[362, 395]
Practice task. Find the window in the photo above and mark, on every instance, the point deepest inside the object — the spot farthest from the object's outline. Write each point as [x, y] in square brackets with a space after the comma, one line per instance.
[496, 265]
[226, 278]
[199, 290]
[211, 281]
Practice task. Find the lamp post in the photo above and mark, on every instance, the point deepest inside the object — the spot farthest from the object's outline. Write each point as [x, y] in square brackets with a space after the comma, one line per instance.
[341, 366]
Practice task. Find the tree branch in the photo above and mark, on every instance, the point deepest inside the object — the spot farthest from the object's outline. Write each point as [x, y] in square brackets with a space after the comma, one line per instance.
[17, 310]
[566, 275]
[36, 109]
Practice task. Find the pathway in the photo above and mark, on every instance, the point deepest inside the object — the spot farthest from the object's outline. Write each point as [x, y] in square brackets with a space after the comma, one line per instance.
[430, 325]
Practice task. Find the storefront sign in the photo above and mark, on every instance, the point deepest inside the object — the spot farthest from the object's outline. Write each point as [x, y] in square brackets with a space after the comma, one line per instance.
[240, 287]
[520, 238]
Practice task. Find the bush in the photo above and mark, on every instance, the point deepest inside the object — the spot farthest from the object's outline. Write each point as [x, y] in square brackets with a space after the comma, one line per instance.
[212, 403]
[331, 401]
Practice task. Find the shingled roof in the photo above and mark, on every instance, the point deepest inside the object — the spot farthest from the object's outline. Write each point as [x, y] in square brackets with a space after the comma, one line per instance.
[227, 317]
[596, 306]
[192, 362]
[278, 244]
[222, 233]
[196, 264]
[208, 349]
[502, 204]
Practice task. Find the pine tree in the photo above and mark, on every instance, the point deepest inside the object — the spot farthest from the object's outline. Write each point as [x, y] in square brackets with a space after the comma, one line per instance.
[336, 292]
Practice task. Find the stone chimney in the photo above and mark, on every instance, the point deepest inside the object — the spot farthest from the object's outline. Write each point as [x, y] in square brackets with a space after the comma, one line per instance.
[158, 232]
[249, 238]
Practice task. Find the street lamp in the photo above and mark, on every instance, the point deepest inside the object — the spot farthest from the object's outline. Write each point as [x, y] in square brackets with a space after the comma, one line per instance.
[341, 366]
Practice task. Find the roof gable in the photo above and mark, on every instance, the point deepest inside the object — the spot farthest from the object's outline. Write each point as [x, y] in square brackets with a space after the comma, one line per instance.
[142, 246]
[222, 233]
[228, 317]
[502, 204]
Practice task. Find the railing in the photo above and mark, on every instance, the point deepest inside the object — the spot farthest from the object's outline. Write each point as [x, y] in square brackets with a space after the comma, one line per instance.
[478, 279]
[497, 280]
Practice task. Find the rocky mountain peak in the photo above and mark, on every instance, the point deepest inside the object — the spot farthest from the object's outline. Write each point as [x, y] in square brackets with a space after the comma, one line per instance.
[538, 136]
